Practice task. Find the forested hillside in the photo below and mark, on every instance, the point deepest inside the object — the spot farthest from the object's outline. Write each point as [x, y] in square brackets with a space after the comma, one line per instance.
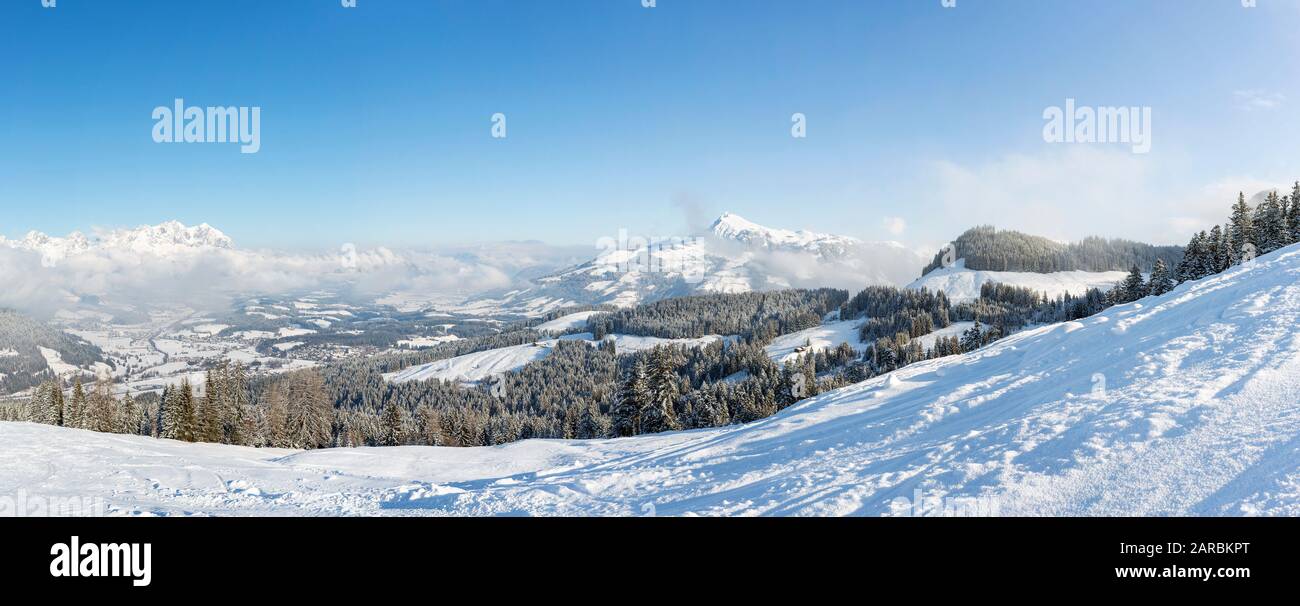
[22, 364]
[990, 249]
[583, 388]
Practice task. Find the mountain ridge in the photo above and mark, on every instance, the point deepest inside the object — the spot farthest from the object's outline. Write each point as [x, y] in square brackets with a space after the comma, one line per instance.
[735, 255]
[167, 237]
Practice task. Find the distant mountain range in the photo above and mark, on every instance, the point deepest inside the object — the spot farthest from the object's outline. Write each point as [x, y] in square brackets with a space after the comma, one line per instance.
[734, 255]
[163, 239]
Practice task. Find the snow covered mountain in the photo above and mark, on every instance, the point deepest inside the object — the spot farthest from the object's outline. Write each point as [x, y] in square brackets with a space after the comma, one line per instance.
[1184, 404]
[163, 239]
[735, 255]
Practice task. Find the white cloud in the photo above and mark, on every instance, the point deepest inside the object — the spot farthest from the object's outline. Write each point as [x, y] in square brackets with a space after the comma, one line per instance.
[1258, 99]
[41, 281]
[1066, 193]
[1071, 192]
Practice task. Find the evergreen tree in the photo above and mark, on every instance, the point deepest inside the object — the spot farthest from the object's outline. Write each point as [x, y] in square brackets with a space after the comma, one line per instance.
[659, 414]
[1241, 229]
[208, 415]
[590, 425]
[393, 420]
[1270, 224]
[1293, 215]
[792, 389]
[47, 405]
[1162, 280]
[309, 416]
[236, 421]
[185, 415]
[973, 338]
[427, 420]
[809, 371]
[76, 409]
[101, 408]
[1217, 257]
[276, 415]
[1133, 287]
[633, 396]
[1193, 256]
[131, 419]
[166, 420]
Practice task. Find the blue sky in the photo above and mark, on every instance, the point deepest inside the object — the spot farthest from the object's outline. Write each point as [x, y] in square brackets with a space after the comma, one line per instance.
[376, 119]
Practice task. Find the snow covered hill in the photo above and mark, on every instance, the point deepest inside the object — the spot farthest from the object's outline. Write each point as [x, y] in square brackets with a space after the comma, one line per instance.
[736, 255]
[473, 367]
[812, 340]
[566, 322]
[1185, 404]
[963, 285]
[32, 351]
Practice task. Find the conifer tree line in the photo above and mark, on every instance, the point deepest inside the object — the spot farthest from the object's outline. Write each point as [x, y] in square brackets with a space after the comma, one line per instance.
[291, 413]
[989, 249]
[95, 408]
[759, 315]
[1248, 232]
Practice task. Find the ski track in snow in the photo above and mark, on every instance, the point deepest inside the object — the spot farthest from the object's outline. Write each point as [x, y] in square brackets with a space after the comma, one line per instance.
[1200, 415]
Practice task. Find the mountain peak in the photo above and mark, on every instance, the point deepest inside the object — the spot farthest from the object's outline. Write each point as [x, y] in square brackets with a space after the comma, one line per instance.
[729, 223]
[730, 226]
[169, 234]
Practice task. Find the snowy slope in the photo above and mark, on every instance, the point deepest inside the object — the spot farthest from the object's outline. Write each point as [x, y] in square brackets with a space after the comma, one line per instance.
[962, 285]
[566, 322]
[831, 334]
[475, 366]
[480, 365]
[624, 344]
[826, 336]
[952, 330]
[1186, 404]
